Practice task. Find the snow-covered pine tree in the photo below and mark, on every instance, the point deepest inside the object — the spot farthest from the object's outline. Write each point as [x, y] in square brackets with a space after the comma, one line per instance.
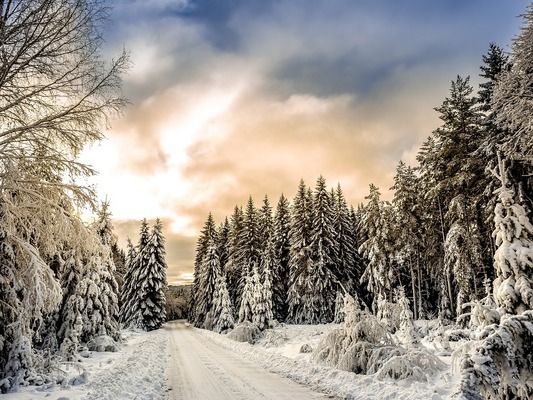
[222, 307]
[251, 252]
[223, 237]
[280, 270]
[69, 316]
[152, 280]
[260, 313]
[376, 249]
[109, 287]
[263, 314]
[130, 314]
[513, 259]
[347, 260]
[247, 305]
[210, 270]
[300, 252]
[235, 264]
[321, 279]
[265, 224]
[462, 252]
[127, 284]
[513, 94]
[406, 220]
[207, 236]
[406, 333]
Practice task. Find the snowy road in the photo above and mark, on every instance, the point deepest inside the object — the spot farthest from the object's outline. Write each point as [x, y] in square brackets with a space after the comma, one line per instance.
[201, 369]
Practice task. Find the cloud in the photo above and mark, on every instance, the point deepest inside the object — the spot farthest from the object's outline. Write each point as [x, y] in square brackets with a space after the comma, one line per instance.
[232, 98]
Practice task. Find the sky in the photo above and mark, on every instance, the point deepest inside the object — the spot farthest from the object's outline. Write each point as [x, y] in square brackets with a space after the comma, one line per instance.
[231, 98]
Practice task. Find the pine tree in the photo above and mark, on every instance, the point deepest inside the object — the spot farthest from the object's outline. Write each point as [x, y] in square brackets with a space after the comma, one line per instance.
[223, 238]
[406, 222]
[513, 260]
[153, 280]
[130, 315]
[300, 252]
[462, 253]
[127, 285]
[513, 94]
[259, 306]
[247, 305]
[324, 246]
[346, 264]
[265, 223]
[235, 265]
[376, 248]
[222, 308]
[251, 246]
[109, 286]
[207, 235]
[210, 270]
[280, 268]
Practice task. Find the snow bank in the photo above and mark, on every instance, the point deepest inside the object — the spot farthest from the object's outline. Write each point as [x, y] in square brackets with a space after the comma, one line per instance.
[137, 371]
[286, 360]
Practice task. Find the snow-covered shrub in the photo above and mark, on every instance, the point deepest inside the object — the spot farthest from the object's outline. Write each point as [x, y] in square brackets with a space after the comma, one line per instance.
[245, 332]
[273, 338]
[412, 364]
[407, 333]
[501, 366]
[388, 314]
[102, 343]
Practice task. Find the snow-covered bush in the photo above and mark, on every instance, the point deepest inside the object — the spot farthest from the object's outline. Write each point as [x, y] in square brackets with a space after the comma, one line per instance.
[364, 346]
[103, 343]
[273, 338]
[501, 366]
[245, 332]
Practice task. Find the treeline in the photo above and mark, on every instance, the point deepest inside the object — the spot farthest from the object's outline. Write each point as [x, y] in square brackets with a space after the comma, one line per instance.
[435, 238]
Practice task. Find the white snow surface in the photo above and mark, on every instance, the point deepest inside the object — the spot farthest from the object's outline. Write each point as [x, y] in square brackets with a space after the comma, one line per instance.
[136, 371]
[278, 351]
[182, 362]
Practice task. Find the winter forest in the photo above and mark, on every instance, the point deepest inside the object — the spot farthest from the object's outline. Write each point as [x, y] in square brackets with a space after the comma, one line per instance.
[426, 294]
[454, 246]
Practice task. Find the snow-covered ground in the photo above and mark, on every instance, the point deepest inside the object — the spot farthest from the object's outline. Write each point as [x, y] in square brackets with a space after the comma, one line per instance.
[278, 351]
[182, 362]
[137, 371]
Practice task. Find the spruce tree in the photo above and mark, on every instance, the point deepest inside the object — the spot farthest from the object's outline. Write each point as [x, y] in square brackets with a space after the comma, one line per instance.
[109, 287]
[280, 267]
[265, 223]
[210, 270]
[223, 237]
[153, 281]
[235, 265]
[251, 245]
[513, 260]
[127, 286]
[346, 264]
[131, 316]
[376, 248]
[247, 304]
[222, 307]
[207, 235]
[300, 252]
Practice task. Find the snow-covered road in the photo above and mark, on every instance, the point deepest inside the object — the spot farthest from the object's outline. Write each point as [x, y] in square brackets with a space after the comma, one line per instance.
[199, 368]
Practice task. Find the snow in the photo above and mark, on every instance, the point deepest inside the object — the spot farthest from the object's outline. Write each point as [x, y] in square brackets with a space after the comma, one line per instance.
[278, 351]
[137, 371]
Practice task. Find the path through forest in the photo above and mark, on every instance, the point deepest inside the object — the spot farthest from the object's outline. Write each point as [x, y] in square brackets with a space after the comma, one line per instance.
[201, 369]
